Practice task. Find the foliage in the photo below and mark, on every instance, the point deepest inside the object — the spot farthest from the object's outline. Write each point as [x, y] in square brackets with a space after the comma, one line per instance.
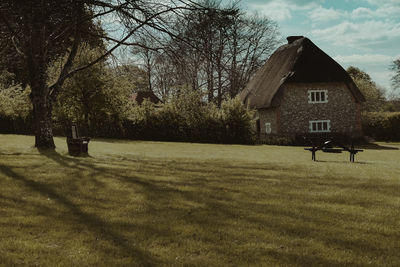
[97, 99]
[39, 32]
[7, 78]
[101, 108]
[237, 120]
[382, 126]
[278, 140]
[392, 105]
[374, 96]
[186, 117]
[129, 76]
[15, 108]
[14, 102]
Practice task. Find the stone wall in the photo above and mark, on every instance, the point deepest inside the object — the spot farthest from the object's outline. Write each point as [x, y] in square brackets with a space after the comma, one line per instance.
[341, 109]
[268, 115]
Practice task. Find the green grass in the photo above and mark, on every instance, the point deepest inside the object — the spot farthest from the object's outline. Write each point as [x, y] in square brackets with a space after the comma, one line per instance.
[151, 203]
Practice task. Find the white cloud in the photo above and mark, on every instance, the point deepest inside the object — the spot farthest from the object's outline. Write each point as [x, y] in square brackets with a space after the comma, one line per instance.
[380, 2]
[382, 78]
[359, 34]
[362, 13]
[384, 11]
[376, 65]
[321, 14]
[281, 10]
[364, 59]
[388, 9]
[278, 11]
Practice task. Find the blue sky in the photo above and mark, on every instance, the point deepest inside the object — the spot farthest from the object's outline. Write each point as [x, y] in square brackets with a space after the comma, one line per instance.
[362, 33]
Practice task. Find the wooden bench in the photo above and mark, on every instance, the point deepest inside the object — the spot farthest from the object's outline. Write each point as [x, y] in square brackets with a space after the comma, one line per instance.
[77, 145]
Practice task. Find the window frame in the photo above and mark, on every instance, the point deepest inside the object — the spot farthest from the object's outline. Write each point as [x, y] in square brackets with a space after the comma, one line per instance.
[318, 123]
[313, 95]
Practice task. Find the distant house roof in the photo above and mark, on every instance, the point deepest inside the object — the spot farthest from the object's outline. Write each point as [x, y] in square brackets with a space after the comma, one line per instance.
[298, 61]
[139, 97]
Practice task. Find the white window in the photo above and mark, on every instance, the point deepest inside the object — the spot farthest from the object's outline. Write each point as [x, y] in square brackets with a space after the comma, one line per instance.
[268, 127]
[317, 96]
[320, 126]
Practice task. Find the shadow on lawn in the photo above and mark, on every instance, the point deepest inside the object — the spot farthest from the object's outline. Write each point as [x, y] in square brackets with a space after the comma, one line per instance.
[121, 141]
[66, 161]
[221, 210]
[374, 146]
[214, 205]
[344, 161]
[91, 221]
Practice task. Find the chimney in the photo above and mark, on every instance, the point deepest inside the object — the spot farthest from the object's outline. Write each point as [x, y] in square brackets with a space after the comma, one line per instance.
[291, 39]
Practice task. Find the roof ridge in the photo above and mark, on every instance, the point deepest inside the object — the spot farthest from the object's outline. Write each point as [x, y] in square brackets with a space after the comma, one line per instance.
[298, 61]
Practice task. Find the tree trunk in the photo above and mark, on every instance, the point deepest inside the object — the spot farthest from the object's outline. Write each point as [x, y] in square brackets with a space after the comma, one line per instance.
[210, 81]
[42, 108]
[41, 101]
[234, 75]
[36, 55]
[86, 118]
[219, 97]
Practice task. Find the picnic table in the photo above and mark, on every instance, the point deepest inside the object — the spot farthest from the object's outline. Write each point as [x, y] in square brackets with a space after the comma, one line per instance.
[330, 147]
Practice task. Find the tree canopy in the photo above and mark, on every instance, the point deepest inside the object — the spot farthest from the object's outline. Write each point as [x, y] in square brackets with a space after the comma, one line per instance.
[38, 32]
[374, 95]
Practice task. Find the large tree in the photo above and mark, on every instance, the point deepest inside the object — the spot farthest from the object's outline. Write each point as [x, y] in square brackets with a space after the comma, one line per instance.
[39, 31]
[374, 95]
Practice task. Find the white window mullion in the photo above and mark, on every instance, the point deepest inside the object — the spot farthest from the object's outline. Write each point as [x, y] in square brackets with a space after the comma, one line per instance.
[315, 96]
[319, 126]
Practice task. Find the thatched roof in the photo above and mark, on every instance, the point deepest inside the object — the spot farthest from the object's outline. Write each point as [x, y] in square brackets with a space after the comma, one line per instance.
[298, 61]
[140, 96]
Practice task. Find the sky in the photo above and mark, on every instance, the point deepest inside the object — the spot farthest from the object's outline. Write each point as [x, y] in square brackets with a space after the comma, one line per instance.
[361, 33]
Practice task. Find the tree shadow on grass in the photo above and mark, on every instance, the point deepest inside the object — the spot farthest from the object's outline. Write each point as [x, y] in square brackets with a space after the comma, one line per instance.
[66, 161]
[93, 222]
[374, 146]
[120, 141]
[344, 161]
[217, 206]
[207, 204]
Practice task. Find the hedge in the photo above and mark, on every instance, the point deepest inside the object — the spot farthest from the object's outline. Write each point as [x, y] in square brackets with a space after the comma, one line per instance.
[382, 126]
[177, 121]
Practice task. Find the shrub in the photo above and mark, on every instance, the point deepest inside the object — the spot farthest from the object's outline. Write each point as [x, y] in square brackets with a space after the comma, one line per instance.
[237, 120]
[382, 126]
[278, 140]
[15, 110]
[187, 118]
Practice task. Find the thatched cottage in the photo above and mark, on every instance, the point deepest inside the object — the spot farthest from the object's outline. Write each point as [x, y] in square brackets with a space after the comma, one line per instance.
[301, 91]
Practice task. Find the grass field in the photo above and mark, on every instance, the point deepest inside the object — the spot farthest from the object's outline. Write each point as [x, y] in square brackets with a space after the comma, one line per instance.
[149, 203]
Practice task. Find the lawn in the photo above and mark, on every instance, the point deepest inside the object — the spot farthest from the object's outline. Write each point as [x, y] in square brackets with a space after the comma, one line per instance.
[152, 203]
